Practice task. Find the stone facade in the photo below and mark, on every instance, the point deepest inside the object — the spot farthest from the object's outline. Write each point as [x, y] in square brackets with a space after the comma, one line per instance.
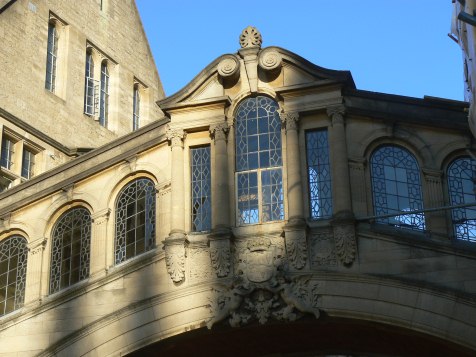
[239, 284]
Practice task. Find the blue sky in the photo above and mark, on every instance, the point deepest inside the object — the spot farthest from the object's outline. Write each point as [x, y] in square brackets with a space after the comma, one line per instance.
[398, 47]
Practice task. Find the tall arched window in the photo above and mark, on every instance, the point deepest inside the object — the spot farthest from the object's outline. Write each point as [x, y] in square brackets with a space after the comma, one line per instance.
[89, 85]
[259, 161]
[461, 186]
[135, 219]
[70, 253]
[396, 187]
[51, 55]
[104, 97]
[13, 258]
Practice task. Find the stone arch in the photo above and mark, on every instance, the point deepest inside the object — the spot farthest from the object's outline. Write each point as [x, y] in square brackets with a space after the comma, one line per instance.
[419, 311]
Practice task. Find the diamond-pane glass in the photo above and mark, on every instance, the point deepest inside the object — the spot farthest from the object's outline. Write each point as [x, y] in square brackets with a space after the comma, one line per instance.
[201, 189]
[258, 148]
[396, 187]
[135, 220]
[70, 255]
[319, 174]
[13, 257]
[461, 186]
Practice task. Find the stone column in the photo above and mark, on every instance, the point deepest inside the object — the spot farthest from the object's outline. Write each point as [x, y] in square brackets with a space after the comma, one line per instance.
[435, 221]
[98, 242]
[219, 239]
[343, 222]
[174, 244]
[33, 289]
[295, 229]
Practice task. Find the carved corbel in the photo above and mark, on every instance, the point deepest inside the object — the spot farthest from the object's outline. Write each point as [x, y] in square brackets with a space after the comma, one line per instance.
[5, 221]
[345, 241]
[220, 256]
[175, 259]
[296, 246]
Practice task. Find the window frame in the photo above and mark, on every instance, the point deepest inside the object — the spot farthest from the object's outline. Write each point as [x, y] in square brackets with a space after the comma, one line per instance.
[136, 101]
[104, 94]
[261, 197]
[89, 85]
[51, 56]
[208, 208]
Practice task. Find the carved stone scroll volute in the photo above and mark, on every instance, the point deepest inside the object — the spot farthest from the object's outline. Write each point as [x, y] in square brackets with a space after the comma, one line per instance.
[175, 259]
[345, 241]
[220, 256]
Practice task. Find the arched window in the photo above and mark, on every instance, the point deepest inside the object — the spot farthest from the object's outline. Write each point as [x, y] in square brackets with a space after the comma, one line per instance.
[135, 219]
[104, 97]
[396, 187]
[70, 253]
[258, 161]
[89, 85]
[51, 55]
[461, 186]
[13, 257]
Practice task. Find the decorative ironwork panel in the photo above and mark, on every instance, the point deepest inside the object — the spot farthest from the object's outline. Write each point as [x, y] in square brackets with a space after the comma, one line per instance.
[70, 254]
[135, 220]
[461, 186]
[104, 97]
[396, 187]
[319, 174]
[13, 259]
[258, 147]
[201, 189]
[51, 55]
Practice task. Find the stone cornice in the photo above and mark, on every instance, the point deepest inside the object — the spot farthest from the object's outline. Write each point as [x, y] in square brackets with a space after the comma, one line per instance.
[83, 166]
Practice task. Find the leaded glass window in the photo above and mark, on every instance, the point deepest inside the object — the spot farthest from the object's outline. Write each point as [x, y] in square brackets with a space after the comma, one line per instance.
[396, 187]
[259, 161]
[13, 258]
[70, 253]
[461, 186]
[89, 89]
[28, 163]
[135, 219]
[136, 109]
[104, 96]
[201, 189]
[51, 55]
[7, 152]
[319, 174]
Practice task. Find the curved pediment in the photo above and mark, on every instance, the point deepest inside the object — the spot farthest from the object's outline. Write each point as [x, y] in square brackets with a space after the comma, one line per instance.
[252, 70]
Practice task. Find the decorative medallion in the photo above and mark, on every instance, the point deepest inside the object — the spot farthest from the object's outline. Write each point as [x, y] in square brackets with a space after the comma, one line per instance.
[250, 37]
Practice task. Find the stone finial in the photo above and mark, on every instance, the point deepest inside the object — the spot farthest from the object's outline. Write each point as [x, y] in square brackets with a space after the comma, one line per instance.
[250, 37]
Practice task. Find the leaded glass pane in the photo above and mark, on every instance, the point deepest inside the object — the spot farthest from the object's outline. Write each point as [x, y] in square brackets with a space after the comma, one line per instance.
[104, 96]
[461, 181]
[28, 163]
[51, 55]
[396, 187]
[70, 255]
[89, 86]
[135, 220]
[7, 152]
[319, 174]
[13, 258]
[201, 189]
[258, 147]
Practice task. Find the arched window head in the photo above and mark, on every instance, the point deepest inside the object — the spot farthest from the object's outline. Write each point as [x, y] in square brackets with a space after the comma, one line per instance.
[89, 89]
[104, 97]
[396, 187]
[70, 252]
[135, 220]
[51, 56]
[136, 108]
[258, 161]
[461, 187]
[13, 259]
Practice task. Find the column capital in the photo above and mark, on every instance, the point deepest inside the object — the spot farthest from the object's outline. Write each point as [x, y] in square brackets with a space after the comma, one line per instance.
[37, 246]
[336, 113]
[101, 216]
[175, 136]
[219, 131]
[289, 120]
